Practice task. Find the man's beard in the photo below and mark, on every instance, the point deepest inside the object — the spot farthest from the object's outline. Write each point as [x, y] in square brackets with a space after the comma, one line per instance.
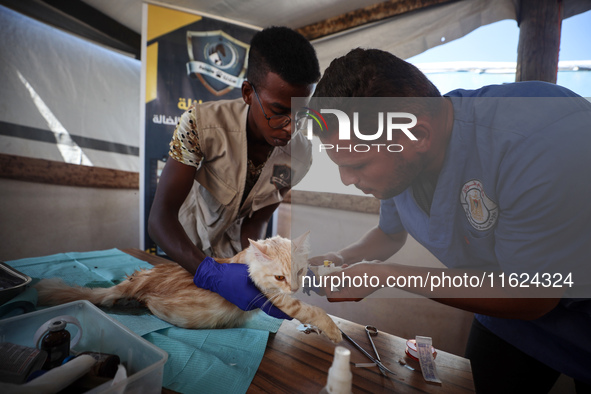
[405, 175]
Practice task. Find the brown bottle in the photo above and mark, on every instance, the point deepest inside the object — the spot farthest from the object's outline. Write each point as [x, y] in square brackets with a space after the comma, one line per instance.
[57, 344]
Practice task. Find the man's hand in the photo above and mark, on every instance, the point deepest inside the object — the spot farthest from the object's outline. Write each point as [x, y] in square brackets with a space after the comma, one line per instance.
[337, 292]
[314, 279]
[232, 282]
[336, 258]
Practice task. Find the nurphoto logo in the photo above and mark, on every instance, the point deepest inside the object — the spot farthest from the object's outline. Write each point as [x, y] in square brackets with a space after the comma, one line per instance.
[387, 122]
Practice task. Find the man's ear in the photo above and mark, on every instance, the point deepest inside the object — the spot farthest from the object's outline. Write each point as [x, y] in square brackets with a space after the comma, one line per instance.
[423, 132]
[247, 92]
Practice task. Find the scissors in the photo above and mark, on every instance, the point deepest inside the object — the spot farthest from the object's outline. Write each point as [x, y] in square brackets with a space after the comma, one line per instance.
[371, 331]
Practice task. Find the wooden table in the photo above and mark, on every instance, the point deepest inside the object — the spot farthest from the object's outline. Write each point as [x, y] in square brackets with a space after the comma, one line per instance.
[296, 362]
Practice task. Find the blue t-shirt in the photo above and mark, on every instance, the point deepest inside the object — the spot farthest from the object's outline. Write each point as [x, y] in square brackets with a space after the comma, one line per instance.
[514, 194]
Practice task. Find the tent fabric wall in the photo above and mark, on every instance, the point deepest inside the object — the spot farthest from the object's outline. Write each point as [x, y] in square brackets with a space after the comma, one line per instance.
[58, 87]
[411, 34]
[59, 93]
[414, 33]
[38, 219]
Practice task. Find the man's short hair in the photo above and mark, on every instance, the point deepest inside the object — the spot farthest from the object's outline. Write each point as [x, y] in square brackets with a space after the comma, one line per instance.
[373, 73]
[285, 52]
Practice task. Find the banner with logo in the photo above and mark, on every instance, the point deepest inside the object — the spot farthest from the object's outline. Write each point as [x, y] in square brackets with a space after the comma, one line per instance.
[187, 57]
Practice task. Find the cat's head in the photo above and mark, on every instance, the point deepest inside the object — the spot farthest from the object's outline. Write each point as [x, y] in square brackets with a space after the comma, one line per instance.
[278, 263]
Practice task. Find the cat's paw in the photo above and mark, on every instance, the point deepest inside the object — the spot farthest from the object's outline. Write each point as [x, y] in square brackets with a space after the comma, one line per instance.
[330, 329]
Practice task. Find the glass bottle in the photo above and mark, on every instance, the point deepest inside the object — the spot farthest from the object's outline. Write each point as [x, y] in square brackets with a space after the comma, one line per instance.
[56, 343]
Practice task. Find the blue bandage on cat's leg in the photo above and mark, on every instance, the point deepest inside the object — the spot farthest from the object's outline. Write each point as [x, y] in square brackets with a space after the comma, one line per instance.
[232, 282]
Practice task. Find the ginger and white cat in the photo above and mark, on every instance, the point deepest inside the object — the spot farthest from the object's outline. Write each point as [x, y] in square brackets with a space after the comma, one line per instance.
[276, 265]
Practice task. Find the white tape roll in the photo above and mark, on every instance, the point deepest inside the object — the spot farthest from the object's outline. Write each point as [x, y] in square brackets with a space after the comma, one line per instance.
[44, 329]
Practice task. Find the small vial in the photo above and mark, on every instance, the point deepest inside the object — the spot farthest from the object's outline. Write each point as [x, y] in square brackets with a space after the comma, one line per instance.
[56, 343]
[340, 378]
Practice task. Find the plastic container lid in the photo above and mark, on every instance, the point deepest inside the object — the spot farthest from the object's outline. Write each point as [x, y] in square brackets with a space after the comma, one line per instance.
[57, 325]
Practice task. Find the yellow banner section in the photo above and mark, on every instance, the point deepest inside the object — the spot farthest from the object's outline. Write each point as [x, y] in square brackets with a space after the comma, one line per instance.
[151, 72]
[164, 20]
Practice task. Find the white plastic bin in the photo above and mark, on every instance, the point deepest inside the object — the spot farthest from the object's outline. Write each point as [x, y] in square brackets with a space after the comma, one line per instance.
[143, 360]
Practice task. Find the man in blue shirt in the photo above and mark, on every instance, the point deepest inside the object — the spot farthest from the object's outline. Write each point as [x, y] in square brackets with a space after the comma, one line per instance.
[495, 184]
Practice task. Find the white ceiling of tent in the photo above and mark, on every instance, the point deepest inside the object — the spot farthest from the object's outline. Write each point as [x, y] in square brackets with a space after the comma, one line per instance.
[261, 13]
[405, 35]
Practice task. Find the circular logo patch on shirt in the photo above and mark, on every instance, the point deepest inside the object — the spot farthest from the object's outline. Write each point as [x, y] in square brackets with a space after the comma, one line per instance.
[281, 176]
[481, 211]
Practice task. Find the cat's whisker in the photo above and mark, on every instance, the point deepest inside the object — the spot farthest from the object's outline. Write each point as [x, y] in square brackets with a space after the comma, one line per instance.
[272, 297]
[257, 298]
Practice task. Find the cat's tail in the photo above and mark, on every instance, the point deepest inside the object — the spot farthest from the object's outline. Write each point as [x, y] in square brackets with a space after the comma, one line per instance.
[54, 291]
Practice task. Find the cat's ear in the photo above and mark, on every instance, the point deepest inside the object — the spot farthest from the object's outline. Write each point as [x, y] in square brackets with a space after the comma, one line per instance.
[259, 249]
[301, 243]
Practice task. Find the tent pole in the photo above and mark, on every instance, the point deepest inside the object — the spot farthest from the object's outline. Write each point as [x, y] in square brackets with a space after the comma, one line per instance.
[540, 24]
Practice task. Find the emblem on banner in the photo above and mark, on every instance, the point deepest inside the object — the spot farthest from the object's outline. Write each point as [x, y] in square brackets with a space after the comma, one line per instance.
[217, 59]
[481, 211]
